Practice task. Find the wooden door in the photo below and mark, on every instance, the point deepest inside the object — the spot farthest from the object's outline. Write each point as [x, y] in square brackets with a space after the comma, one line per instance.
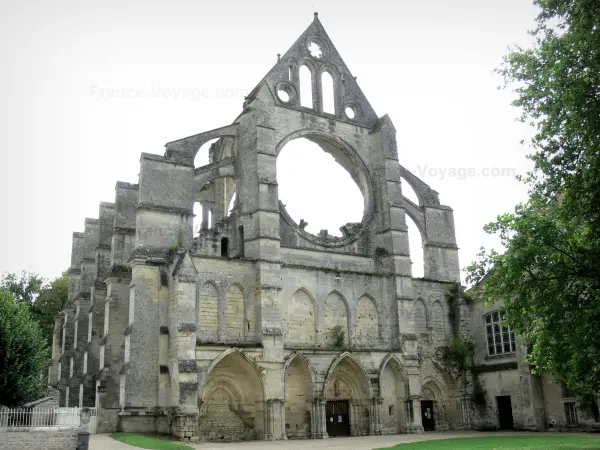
[337, 415]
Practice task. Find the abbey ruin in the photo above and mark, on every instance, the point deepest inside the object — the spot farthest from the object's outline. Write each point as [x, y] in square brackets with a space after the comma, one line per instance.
[254, 328]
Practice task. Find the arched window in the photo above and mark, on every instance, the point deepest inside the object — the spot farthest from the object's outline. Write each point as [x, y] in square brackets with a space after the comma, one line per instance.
[500, 338]
[328, 93]
[306, 92]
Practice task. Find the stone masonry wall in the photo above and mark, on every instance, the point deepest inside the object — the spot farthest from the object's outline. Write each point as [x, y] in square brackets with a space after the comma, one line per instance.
[32, 438]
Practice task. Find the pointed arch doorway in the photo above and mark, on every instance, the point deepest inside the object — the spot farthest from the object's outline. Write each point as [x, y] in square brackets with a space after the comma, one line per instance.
[348, 399]
[432, 407]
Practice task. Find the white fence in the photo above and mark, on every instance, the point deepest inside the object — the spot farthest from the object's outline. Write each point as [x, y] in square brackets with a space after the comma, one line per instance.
[47, 417]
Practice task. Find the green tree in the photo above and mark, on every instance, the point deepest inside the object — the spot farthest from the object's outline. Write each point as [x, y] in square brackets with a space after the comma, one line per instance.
[24, 352]
[25, 288]
[50, 302]
[44, 299]
[549, 276]
[550, 281]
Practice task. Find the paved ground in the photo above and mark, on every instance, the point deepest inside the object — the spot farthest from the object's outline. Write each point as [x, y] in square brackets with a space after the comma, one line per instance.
[105, 442]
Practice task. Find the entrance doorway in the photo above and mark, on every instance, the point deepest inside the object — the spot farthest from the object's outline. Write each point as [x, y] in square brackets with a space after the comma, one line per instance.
[337, 415]
[505, 417]
[427, 418]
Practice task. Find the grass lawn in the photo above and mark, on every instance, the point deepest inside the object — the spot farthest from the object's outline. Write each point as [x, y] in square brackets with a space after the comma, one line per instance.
[507, 442]
[138, 440]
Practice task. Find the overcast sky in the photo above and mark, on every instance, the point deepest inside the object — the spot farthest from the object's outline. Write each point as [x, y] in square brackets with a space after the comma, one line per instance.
[87, 86]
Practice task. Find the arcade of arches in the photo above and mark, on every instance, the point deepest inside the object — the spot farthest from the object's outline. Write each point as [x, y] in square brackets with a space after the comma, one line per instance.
[343, 400]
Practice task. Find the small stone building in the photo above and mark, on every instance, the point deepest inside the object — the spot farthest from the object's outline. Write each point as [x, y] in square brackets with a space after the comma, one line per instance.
[253, 328]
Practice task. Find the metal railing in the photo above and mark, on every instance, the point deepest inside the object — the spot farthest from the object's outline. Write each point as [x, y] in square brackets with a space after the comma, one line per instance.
[42, 417]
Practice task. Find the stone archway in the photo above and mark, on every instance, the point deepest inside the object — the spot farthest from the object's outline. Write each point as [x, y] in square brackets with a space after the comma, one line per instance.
[393, 391]
[347, 382]
[231, 402]
[433, 392]
[298, 398]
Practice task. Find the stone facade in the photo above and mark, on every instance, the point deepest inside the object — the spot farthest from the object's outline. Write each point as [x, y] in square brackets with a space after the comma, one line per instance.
[253, 328]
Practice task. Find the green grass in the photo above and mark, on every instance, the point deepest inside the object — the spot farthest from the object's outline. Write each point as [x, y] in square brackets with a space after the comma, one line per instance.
[138, 440]
[506, 442]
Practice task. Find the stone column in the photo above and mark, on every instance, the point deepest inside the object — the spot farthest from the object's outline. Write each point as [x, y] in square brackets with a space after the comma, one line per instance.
[321, 422]
[275, 428]
[376, 421]
[259, 215]
[314, 416]
[414, 390]
[282, 418]
[115, 318]
[182, 349]
[416, 427]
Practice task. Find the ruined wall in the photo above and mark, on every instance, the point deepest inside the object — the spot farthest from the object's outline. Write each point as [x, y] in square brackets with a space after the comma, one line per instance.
[234, 333]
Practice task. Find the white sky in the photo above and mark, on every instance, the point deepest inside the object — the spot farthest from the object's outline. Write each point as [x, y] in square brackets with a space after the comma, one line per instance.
[67, 137]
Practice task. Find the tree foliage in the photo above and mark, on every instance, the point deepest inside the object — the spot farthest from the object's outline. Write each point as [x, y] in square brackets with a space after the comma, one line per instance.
[25, 287]
[24, 352]
[50, 302]
[44, 299]
[549, 276]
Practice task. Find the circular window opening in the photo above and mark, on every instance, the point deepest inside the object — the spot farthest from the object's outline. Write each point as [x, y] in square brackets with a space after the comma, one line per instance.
[315, 50]
[318, 192]
[350, 112]
[283, 96]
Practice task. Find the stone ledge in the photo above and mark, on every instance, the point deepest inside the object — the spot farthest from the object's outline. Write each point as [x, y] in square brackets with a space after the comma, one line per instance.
[331, 351]
[255, 344]
[164, 209]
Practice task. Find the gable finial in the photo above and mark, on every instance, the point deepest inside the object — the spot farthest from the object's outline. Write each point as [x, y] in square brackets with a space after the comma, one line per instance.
[316, 15]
